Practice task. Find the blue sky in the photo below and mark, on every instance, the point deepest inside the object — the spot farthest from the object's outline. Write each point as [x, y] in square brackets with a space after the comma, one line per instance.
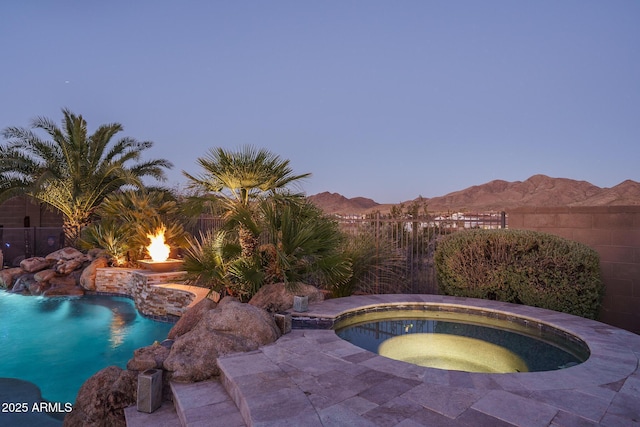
[382, 99]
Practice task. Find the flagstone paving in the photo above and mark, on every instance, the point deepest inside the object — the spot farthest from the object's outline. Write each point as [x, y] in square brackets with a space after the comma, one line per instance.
[311, 377]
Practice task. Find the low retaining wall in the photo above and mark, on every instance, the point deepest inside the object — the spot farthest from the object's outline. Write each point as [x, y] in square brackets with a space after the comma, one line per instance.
[154, 294]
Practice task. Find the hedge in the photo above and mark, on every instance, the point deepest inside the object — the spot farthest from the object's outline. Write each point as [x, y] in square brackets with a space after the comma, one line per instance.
[523, 267]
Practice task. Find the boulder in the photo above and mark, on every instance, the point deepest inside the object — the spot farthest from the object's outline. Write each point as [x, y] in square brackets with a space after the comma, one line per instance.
[96, 253]
[66, 267]
[38, 287]
[58, 281]
[8, 276]
[102, 399]
[64, 254]
[61, 290]
[88, 276]
[44, 275]
[275, 298]
[244, 320]
[31, 265]
[191, 318]
[150, 357]
[231, 327]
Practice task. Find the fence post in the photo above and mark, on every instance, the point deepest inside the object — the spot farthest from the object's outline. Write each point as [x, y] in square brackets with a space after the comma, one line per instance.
[503, 219]
[377, 250]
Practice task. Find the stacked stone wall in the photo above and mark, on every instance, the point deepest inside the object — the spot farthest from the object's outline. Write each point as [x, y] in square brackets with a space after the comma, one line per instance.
[151, 292]
[614, 232]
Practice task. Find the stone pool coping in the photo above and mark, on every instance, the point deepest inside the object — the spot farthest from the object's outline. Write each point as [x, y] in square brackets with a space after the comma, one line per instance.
[605, 389]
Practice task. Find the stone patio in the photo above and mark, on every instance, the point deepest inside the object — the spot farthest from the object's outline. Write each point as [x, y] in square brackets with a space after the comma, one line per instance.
[311, 377]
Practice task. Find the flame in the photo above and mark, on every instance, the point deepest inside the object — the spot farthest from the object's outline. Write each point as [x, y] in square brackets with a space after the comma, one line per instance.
[158, 250]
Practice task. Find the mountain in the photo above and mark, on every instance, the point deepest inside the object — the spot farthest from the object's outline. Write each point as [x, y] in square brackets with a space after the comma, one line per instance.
[337, 203]
[498, 195]
[626, 193]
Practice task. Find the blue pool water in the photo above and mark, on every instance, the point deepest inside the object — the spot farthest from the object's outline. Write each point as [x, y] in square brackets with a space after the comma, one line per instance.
[58, 343]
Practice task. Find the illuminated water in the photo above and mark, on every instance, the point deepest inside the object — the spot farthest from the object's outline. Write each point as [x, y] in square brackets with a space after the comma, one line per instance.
[463, 342]
[58, 343]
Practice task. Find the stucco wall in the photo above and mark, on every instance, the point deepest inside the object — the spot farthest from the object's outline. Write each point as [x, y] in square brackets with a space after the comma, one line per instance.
[614, 232]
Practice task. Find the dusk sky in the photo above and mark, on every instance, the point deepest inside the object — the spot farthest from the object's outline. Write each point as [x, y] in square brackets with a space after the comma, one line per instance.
[381, 99]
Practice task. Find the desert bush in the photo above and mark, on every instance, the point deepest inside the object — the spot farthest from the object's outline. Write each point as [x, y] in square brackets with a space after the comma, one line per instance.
[376, 268]
[523, 267]
[299, 244]
[127, 218]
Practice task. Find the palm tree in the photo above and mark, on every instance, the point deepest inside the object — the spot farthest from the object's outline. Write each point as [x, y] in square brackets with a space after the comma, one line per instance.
[72, 171]
[302, 245]
[241, 178]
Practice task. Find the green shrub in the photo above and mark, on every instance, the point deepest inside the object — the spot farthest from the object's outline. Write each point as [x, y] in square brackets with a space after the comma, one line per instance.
[524, 267]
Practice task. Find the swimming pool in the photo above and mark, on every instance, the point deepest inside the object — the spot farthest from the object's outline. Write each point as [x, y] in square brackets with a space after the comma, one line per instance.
[58, 343]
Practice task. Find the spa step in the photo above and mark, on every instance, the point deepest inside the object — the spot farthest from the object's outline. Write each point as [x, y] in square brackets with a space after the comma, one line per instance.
[205, 403]
[164, 416]
[265, 394]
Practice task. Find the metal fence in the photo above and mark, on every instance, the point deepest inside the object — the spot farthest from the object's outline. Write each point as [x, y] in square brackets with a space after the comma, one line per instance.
[26, 242]
[413, 241]
[410, 241]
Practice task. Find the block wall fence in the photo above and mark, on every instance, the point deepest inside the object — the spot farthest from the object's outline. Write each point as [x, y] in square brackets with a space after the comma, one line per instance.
[15, 210]
[614, 232]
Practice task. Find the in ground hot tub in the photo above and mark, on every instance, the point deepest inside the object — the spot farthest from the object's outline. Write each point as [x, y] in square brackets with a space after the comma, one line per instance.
[457, 338]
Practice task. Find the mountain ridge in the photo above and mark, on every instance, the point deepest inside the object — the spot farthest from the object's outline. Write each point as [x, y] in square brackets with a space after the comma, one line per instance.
[497, 195]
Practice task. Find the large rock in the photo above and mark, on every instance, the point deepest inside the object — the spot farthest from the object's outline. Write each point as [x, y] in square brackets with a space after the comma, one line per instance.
[191, 318]
[96, 253]
[150, 357]
[59, 281]
[64, 254]
[31, 265]
[231, 327]
[63, 290]
[88, 276]
[66, 267]
[38, 287]
[44, 275]
[102, 399]
[9, 275]
[276, 298]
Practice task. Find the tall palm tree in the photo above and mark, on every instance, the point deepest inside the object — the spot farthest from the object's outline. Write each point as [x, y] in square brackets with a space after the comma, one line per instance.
[241, 178]
[72, 171]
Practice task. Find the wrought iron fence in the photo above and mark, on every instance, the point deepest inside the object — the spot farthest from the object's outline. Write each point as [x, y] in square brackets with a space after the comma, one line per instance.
[415, 240]
[412, 240]
[26, 242]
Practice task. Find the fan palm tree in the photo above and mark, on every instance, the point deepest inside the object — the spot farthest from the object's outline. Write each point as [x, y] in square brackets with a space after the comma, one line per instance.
[302, 245]
[239, 179]
[72, 171]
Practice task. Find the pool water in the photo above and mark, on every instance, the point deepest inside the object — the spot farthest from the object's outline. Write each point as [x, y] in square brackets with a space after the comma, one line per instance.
[461, 342]
[58, 343]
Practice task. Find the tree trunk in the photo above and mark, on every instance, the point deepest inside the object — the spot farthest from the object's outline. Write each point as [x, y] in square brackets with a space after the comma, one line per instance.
[248, 242]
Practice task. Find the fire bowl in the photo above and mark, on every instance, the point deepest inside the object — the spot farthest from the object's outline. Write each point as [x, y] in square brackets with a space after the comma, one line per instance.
[161, 266]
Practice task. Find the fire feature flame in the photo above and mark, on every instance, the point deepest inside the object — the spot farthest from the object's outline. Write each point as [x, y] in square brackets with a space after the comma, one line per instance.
[158, 249]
